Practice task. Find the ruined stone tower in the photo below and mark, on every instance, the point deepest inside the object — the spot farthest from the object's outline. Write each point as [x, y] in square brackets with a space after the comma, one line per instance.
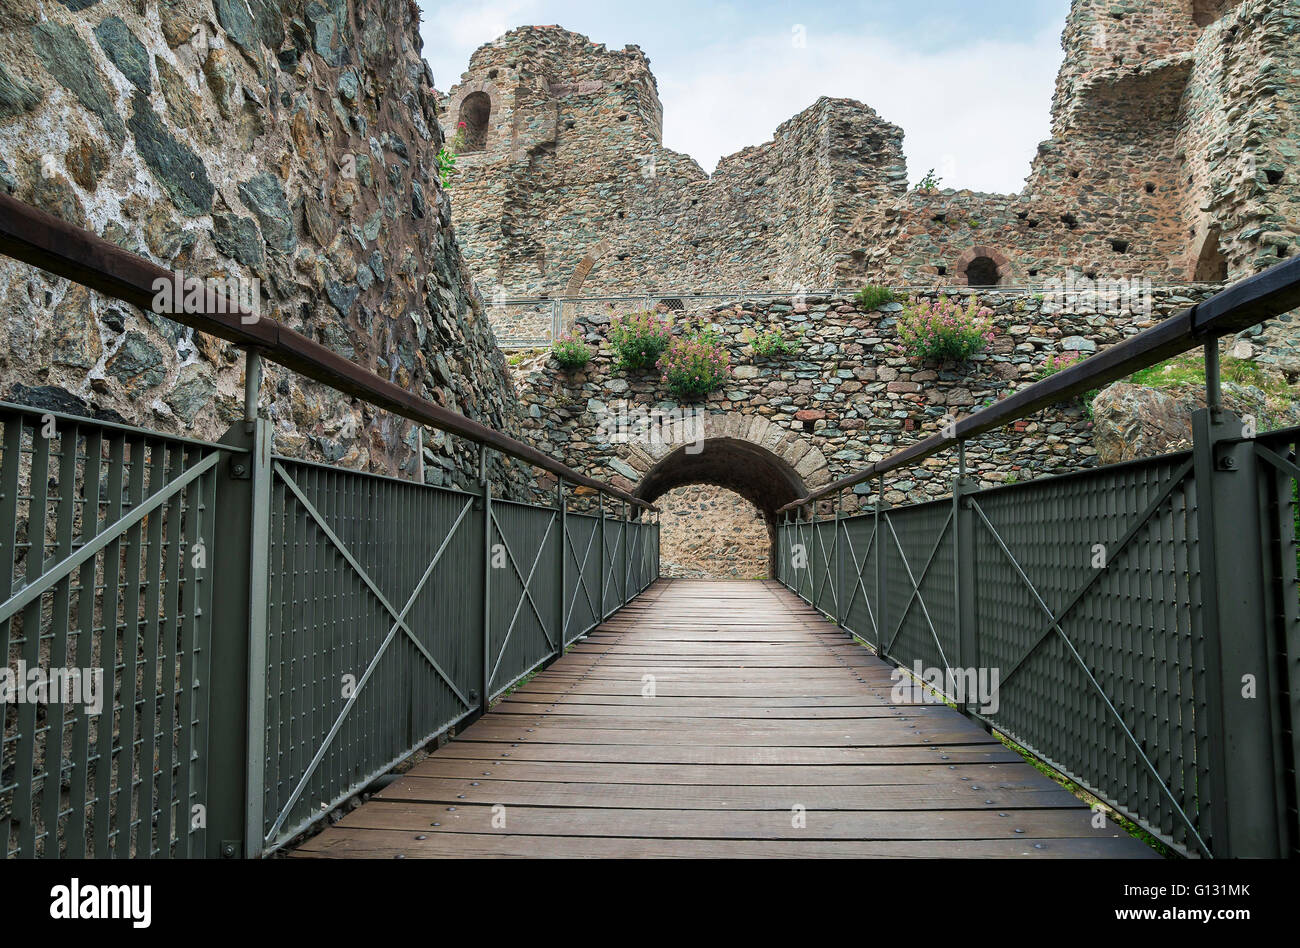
[564, 185]
[1174, 140]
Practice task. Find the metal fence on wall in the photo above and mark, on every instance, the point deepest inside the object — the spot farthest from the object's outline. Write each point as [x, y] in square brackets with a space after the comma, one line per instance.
[273, 634]
[1097, 597]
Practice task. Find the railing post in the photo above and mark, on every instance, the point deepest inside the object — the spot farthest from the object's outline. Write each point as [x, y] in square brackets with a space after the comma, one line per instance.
[237, 697]
[964, 588]
[882, 626]
[485, 486]
[1247, 795]
[564, 573]
[604, 560]
[837, 583]
[623, 548]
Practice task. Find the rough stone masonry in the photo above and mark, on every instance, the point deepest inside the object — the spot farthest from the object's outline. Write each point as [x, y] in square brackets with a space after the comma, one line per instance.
[1175, 132]
[285, 144]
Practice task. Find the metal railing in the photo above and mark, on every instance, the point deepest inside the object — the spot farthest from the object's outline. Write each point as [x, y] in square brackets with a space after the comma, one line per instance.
[270, 635]
[1133, 625]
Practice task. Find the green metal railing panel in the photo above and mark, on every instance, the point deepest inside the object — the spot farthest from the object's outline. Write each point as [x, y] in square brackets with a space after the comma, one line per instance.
[613, 590]
[373, 601]
[1114, 695]
[916, 543]
[525, 627]
[373, 642]
[1084, 594]
[583, 575]
[105, 552]
[858, 572]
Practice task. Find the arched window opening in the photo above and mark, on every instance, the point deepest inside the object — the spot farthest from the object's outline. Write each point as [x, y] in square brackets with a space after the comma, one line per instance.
[1211, 265]
[982, 271]
[472, 122]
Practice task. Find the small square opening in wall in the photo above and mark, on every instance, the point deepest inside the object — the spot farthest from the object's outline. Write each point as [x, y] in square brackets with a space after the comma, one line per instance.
[1119, 246]
[942, 271]
[809, 425]
[1273, 175]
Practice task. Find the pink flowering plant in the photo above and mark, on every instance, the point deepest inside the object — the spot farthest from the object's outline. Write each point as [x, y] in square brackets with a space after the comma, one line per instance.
[638, 339]
[694, 364]
[1061, 361]
[571, 352]
[943, 330]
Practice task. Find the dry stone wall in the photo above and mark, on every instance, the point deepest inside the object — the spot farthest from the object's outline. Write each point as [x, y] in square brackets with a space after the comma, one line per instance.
[848, 397]
[706, 533]
[287, 145]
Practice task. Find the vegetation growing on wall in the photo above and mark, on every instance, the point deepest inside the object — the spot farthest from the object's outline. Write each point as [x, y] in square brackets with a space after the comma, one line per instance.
[639, 339]
[694, 364]
[943, 329]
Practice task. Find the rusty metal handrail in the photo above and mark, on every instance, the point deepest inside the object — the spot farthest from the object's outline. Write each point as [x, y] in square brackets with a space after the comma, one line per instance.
[38, 238]
[1250, 301]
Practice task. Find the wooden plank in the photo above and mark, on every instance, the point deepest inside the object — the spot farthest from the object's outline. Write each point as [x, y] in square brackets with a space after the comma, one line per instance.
[341, 843]
[728, 824]
[932, 796]
[768, 733]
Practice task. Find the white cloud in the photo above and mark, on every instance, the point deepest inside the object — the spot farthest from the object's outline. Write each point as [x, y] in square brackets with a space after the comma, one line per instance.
[455, 30]
[974, 113]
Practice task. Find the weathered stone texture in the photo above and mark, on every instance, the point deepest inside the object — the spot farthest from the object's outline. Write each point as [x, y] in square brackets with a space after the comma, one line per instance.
[847, 397]
[706, 533]
[289, 142]
[1175, 131]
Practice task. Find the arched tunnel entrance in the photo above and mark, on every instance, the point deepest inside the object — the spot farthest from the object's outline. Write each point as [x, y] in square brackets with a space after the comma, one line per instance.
[761, 477]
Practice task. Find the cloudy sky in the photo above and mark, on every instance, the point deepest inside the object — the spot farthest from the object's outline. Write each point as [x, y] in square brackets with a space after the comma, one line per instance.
[969, 81]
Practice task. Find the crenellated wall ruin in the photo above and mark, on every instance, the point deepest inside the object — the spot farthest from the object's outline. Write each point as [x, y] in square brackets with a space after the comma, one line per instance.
[1174, 137]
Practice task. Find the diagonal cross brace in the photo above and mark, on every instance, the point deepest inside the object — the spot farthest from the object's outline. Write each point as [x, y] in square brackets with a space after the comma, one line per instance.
[1055, 626]
[916, 586]
[571, 549]
[398, 623]
[857, 578]
[110, 532]
[526, 594]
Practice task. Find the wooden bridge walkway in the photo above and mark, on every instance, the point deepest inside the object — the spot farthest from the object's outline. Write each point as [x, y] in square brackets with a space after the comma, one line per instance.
[768, 734]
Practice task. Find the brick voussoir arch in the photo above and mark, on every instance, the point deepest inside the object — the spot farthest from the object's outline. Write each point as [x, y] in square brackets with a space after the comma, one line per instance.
[968, 256]
[789, 451]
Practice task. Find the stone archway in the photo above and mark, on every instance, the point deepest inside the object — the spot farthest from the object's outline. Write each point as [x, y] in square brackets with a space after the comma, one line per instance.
[475, 102]
[568, 312]
[767, 465]
[982, 266]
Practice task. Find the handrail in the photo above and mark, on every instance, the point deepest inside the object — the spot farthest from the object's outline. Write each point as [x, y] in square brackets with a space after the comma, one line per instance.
[38, 238]
[1250, 301]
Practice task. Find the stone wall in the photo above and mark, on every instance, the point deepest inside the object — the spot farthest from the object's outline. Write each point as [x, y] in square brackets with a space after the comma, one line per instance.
[573, 192]
[1174, 137]
[710, 533]
[285, 144]
[847, 398]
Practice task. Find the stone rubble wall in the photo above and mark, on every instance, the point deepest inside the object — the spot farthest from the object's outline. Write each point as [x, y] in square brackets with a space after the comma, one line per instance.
[849, 395]
[1174, 133]
[290, 142]
[709, 533]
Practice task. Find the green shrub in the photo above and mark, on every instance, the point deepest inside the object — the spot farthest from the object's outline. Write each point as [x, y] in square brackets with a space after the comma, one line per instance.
[638, 339]
[873, 297]
[943, 330]
[571, 352]
[773, 344]
[694, 364]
